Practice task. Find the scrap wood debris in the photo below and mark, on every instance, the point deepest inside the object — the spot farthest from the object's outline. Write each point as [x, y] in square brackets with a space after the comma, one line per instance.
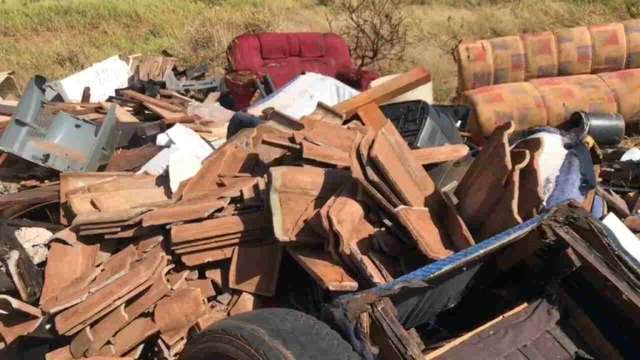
[177, 227]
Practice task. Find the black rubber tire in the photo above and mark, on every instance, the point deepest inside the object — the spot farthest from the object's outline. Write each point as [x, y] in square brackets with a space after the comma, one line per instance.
[269, 334]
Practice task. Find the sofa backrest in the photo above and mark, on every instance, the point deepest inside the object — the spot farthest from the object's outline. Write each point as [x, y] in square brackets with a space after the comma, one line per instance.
[573, 51]
[285, 55]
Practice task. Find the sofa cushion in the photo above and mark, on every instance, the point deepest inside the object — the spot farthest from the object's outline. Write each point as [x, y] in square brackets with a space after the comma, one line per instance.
[311, 45]
[281, 70]
[273, 46]
[294, 44]
[325, 66]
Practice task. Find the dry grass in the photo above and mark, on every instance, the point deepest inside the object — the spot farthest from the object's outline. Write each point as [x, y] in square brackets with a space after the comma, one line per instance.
[57, 37]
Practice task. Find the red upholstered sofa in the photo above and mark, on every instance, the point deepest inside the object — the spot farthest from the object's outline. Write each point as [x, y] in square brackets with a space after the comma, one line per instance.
[283, 56]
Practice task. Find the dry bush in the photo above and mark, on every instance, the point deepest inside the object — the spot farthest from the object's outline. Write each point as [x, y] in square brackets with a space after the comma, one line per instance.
[208, 38]
[377, 30]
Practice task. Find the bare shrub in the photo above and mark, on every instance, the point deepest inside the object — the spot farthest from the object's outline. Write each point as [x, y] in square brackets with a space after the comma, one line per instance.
[209, 37]
[377, 30]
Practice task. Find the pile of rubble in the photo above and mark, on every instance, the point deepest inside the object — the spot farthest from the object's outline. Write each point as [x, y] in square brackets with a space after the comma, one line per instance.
[159, 226]
[144, 255]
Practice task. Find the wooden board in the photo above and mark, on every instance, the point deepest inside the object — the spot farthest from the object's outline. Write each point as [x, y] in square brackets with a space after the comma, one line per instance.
[438, 154]
[385, 91]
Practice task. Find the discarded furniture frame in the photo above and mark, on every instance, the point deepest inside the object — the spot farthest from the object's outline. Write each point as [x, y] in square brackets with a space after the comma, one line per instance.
[568, 227]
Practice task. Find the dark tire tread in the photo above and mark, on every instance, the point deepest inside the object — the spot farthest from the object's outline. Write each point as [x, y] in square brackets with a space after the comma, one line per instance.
[274, 334]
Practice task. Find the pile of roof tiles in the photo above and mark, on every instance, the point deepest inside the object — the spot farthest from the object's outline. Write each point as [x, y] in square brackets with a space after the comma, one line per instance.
[139, 268]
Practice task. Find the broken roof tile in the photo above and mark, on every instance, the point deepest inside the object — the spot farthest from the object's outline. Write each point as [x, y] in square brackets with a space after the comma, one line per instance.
[17, 318]
[477, 189]
[325, 154]
[244, 303]
[326, 272]
[505, 211]
[406, 177]
[175, 314]
[429, 238]
[103, 298]
[183, 211]
[133, 334]
[122, 315]
[66, 264]
[220, 226]
[206, 256]
[255, 269]
[116, 266]
[296, 193]
[205, 286]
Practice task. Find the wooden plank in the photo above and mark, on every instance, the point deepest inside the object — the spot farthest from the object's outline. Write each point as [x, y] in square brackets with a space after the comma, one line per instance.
[170, 117]
[326, 272]
[438, 154]
[122, 115]
[384, 314]
[153, 101]
[372, 116]
[385, 91]
[255, 269]
[452, 344]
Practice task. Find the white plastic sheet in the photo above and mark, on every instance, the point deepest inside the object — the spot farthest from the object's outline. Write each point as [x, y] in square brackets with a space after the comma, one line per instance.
[185, 150]
[300, 96]
[627, 239]
[102, 78]
[632, 154]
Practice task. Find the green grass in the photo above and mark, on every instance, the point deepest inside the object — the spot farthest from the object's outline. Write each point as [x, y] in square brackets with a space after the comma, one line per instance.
[57, 37]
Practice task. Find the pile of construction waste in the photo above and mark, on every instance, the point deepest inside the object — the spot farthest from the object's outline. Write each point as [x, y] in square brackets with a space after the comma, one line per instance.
[137, 213]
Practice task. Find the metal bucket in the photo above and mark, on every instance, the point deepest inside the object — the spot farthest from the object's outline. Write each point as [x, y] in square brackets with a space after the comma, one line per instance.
[604, 128]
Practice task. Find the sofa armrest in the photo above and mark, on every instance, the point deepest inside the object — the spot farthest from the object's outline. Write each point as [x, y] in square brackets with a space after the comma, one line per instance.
[358, 78]
[366, 77]
[242, 86]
